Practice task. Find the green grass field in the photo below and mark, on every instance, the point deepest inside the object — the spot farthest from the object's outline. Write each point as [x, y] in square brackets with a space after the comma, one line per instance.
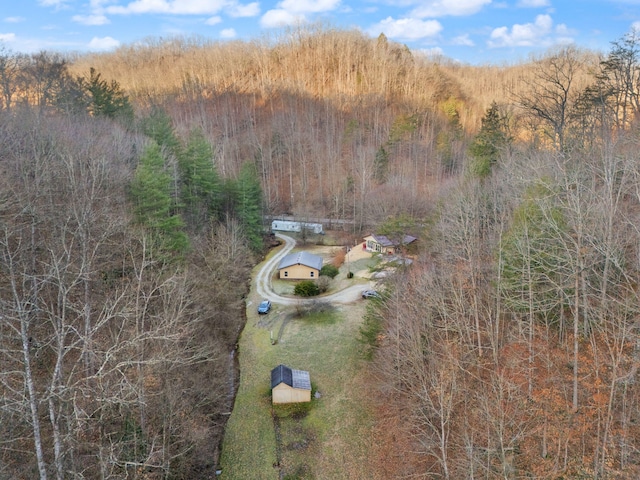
[330, 439]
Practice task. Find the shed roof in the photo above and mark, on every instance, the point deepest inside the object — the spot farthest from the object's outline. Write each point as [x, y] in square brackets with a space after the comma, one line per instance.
[294, 378]
[301, 258]
[386, 242]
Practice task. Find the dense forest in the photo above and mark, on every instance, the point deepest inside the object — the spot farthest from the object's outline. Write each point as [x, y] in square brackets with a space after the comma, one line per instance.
[133, 190]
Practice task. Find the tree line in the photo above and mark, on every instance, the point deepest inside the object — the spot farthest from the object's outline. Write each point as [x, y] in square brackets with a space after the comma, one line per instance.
[511, 348]
[121, 247]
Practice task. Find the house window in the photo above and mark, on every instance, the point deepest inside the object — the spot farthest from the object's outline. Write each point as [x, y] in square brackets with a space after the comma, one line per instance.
[286, 273]
[312, 274]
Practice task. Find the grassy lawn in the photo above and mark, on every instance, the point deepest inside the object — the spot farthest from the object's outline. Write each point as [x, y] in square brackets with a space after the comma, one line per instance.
[330, 439]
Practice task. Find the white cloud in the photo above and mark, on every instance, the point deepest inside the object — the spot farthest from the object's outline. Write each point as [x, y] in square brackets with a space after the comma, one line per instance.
[564, 31]
[52, 3]
[636, 25]
[528, 34]
[90, 19]
[406, 28]
[442, 8]
[280, 18]
[248, 10]
[463, 40]
[213, 20]
[96, 4]
[14, 19]
[105, 43]
[29, 45]
[292, 12]
[7, 37]
[176, 7]
[533, 3]
[434, 52]
[308, 6]
[228, 33]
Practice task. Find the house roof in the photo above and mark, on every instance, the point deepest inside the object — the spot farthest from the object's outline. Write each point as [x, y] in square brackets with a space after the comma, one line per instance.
[301, 258]
[386, 242]
[294, 378]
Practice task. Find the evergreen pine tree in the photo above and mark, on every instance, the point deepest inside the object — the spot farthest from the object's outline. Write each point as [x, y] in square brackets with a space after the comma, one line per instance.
[247, 204]
[489, 142]
[532, 257]
[153, 205]
[106, 99]
[380, 165]
[200, 184]
[159, 127]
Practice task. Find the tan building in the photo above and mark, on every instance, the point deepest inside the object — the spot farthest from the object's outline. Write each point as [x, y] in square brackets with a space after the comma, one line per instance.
[300, 266]
[382, 244]
[289, 385]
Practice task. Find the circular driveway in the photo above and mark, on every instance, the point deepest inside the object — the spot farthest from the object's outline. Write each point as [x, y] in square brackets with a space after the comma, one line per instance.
[265, 289]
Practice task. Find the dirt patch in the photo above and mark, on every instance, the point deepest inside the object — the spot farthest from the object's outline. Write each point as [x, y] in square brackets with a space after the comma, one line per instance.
[327, 252]
[358, 252]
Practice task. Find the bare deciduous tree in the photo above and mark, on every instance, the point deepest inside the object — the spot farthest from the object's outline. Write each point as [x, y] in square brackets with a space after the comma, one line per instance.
[552, 92]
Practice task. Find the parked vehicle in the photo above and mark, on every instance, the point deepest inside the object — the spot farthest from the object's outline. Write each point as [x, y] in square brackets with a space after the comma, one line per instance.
[370, 294]
[264, 306]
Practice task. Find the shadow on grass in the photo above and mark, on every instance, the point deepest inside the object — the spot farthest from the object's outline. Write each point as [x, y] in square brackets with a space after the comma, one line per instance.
[318, 312]
[293, 439]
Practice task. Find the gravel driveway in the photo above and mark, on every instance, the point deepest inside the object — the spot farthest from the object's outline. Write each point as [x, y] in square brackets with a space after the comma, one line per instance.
[265, 289]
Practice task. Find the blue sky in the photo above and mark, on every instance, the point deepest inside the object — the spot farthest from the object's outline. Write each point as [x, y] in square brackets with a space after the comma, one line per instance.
[471, 31]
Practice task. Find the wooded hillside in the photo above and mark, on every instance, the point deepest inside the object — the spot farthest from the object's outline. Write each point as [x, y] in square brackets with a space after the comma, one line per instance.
[133, 188]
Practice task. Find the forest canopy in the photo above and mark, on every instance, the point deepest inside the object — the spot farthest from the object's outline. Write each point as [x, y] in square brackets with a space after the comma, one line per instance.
[133, 189]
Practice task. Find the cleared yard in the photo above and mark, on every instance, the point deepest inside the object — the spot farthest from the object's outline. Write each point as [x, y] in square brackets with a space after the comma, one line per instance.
[329, 440]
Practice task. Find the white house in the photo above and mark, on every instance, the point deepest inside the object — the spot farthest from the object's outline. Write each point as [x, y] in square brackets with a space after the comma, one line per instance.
[382, 244]
[288, 226]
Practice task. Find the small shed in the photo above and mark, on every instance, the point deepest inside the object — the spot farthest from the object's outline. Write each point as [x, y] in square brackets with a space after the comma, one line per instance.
[300, 266]
[289, 385]
[383, 244]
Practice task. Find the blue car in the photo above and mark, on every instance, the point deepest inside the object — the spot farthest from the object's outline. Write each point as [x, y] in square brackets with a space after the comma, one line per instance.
[370, 294]
[264, 306]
